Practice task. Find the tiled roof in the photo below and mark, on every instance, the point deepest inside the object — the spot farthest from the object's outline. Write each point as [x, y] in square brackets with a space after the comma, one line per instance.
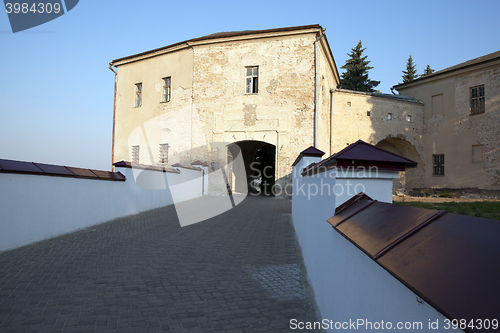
[470, 63]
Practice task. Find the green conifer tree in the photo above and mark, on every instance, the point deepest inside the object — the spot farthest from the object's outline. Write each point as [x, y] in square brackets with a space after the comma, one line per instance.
[428, 70]
[356, 68]
[410, 73]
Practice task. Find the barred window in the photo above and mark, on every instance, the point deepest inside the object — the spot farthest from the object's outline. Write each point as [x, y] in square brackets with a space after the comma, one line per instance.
[138, 95]
[135, 154]
[438, 165]
[167, 86]
[477, 100]
[252, 80]
[163, 155]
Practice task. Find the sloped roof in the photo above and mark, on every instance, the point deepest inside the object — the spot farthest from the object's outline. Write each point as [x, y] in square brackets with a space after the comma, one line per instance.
[362, 154]
[221, 35]
[470, 63]
[42, 169]
[449, 260]
[311, 151]
[132, 165]
[381, 95]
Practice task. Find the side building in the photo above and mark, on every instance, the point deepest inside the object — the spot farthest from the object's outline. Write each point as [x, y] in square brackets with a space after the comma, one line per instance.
[461, 124]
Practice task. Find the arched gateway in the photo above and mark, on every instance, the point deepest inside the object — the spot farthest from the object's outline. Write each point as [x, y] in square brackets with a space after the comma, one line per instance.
[259, 159]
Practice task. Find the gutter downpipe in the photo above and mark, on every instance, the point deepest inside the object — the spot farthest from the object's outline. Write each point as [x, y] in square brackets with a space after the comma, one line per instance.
[331, 122]
[315, 142]
[114, 115]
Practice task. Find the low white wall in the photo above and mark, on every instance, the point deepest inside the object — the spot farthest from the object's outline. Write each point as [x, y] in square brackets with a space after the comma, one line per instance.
[348, 285]
[34, 207]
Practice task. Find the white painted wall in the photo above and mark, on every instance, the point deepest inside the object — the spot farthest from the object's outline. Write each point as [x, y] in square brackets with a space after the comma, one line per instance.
[33, 207]
[348, 285]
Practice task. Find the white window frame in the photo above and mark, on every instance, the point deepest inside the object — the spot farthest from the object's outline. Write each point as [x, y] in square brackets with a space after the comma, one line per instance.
[135, 153]
[252, 80]
[163, 153]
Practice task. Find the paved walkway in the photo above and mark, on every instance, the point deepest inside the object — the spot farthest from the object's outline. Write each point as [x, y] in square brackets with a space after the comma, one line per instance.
[237, 272]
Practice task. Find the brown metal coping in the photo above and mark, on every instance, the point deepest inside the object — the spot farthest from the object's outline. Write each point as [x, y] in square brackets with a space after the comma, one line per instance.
[131, 165]
[190, 167]
[219, 35]
[353, 213]
[42, 169]
[448, 260]
[311, 152]
[361, 155]
[409, 233]
[198, 162]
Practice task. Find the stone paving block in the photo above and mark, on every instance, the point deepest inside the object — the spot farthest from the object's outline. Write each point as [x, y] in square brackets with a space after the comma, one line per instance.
[237, 272]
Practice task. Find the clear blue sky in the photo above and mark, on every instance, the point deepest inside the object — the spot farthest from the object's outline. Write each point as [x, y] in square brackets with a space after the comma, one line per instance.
[56, 90]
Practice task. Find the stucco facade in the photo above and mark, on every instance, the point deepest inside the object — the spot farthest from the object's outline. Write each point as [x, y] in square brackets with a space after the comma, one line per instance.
[296, 105]
[468, 141]
[209, 103]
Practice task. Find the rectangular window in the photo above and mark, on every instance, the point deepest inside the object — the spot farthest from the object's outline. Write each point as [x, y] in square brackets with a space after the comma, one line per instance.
[252, 80]
[135, 154]
[408, 118]
[389, 116]
[477, 100]
[163, 155]
[368, 113]
[437, 104]
[138, 95]
[438, 165]
[477, 154]
[167, 85]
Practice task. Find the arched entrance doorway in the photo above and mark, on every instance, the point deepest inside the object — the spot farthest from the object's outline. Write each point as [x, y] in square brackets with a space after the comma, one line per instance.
[412, 177]
[260, 163]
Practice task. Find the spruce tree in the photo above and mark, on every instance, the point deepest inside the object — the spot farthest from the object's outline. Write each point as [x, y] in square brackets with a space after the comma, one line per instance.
[428, 70]
[410, 73]
[356, 75]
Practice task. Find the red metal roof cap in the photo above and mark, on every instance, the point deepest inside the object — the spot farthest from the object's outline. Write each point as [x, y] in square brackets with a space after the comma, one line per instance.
[312, 151]
[362, 151]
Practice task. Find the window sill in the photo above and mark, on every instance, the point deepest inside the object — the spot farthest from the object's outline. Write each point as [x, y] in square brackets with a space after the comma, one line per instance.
[164, 102]
[251, 93]
[475, 114]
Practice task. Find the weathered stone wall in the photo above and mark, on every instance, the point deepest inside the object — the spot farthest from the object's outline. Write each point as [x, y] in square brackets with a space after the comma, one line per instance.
[449, 128]
[486, 126]
[400, 134]
[327, 81]
[281, 113]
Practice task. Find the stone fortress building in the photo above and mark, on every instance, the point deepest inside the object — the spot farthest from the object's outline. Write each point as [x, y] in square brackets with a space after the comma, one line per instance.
[273, 93]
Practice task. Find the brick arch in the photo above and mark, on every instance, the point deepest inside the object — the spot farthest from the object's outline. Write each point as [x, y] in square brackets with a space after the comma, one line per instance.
[412, 177]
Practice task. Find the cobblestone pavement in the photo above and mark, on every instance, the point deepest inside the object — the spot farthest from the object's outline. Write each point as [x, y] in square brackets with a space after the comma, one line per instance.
[237, 272]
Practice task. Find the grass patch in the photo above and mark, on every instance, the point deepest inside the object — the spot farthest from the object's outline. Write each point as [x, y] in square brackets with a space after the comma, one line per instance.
[485, 209]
